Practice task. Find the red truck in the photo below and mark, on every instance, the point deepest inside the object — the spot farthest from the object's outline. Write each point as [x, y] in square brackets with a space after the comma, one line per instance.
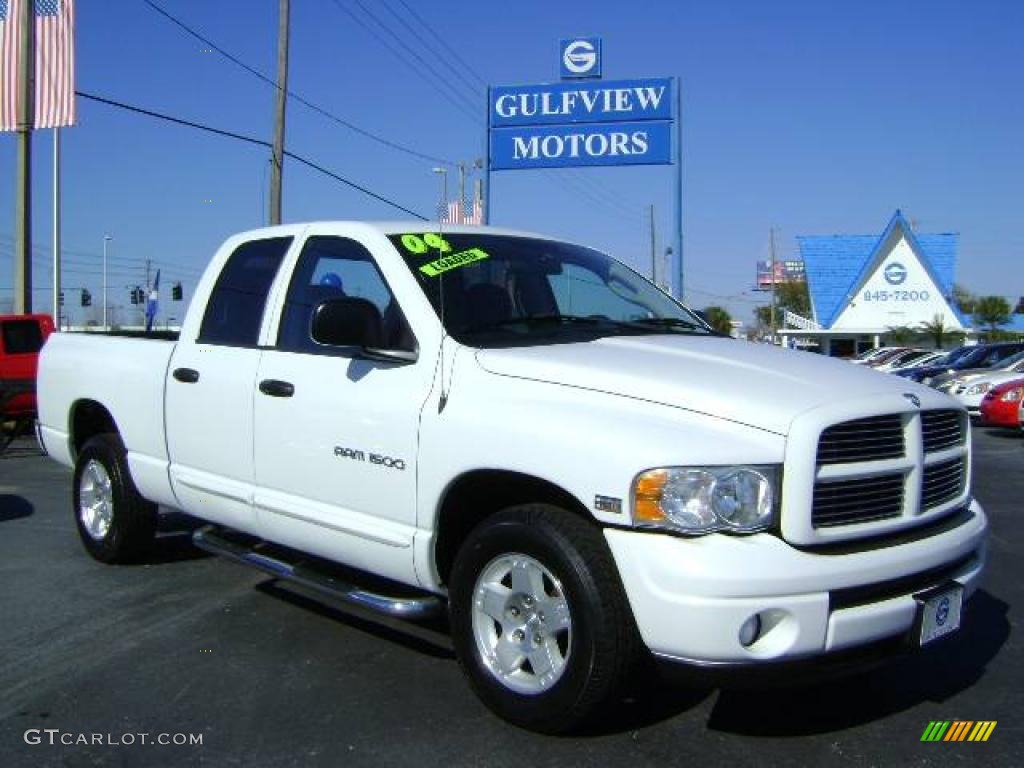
[21, 338]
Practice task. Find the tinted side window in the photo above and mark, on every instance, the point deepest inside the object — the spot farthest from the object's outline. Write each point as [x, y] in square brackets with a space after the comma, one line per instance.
[337, 268]
[22, 337]
[235, 309]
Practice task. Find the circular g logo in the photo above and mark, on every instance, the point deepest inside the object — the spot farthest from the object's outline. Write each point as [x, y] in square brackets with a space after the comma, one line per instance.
[895, 273]
[579, 57]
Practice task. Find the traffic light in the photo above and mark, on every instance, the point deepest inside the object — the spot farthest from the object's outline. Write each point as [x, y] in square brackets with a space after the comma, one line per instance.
[176, 292]
[86, 298]
[62, 298]
[137, 297]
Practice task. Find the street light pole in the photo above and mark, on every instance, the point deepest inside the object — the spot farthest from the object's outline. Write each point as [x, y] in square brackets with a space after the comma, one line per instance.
[106, 239]
[443, 207]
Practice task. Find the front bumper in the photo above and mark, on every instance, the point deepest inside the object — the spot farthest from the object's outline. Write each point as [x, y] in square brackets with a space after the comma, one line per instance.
[690, 597]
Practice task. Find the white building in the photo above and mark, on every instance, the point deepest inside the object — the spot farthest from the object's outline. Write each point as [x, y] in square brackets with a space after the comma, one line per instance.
[862, 286]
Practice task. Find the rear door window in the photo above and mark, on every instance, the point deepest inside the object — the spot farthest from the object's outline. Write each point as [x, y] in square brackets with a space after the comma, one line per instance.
[21, 337]
[235, 309]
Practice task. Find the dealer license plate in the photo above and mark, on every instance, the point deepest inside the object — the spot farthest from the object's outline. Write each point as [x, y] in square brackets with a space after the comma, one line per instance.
[939, 610]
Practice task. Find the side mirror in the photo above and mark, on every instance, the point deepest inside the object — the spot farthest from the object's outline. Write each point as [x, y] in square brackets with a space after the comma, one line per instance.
[355, 322]
[347, 322]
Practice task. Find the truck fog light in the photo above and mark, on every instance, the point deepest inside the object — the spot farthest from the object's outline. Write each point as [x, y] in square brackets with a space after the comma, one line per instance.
[750, 630]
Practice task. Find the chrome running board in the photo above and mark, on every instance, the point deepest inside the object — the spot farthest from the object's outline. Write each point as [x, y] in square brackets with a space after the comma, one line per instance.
[245, 551]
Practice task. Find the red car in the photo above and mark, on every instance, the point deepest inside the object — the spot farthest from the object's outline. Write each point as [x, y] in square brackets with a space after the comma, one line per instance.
[1001, 407]
[21, 338]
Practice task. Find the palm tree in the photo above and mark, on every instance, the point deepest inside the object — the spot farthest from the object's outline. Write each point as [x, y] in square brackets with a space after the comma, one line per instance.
[719, 319]
[900, 334]
[937, 329]
[992, 311]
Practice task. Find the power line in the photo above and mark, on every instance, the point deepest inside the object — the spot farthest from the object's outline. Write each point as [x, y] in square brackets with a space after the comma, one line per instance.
[454, 97]
[451, 51]
[251, 140]
[428, 42]
[291, 94]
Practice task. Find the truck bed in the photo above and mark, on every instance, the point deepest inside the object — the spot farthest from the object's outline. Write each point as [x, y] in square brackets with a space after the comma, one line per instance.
[126, 375]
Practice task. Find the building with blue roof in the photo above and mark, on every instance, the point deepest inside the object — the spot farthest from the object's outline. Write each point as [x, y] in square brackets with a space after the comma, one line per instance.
[861, 286]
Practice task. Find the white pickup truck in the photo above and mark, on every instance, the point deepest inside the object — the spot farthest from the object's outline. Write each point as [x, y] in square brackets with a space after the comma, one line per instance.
[530, 436]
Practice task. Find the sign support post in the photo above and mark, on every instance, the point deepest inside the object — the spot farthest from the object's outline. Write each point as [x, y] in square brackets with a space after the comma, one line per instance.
[677, 203]
[487, 163]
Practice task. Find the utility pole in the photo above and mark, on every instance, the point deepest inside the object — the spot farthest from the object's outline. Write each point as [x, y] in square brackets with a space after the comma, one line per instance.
[462, 188]
[277, 158]
[106, 239]
[442, 207]
[23, 194]
[654, 252]
[771, 245]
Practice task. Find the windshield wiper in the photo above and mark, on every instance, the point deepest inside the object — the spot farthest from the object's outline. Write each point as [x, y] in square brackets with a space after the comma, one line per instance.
[532, 321]
[669, 322]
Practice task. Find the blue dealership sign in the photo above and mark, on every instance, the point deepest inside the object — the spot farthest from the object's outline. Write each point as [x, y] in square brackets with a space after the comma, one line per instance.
[580, 57]
[576, 102]
[563, 146]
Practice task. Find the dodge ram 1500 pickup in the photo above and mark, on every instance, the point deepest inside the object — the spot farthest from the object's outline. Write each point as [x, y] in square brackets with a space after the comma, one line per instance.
[526, 434]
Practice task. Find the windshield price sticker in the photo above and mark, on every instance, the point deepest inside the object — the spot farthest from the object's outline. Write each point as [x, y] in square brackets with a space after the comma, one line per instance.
[423, 243]
[456, 260]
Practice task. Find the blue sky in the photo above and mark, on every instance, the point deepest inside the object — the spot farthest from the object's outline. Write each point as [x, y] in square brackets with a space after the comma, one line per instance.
[812, 117]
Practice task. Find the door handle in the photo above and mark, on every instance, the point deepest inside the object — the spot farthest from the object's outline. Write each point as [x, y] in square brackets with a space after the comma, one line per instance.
[276, 388]
[186, 375]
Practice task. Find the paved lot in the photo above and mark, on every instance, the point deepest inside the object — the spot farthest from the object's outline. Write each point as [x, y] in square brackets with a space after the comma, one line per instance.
[195, 645]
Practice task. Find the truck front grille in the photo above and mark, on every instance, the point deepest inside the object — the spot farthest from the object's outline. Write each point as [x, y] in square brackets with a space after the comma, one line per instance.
[870, 439]
[942, 482]
[941, 430]
[891, 466]
[857, 501]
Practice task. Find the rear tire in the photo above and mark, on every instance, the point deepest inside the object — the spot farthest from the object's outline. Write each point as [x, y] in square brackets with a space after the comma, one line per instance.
[115, 523]
[540, 621]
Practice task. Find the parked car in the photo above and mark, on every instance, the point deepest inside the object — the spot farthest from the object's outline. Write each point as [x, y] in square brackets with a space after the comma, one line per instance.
[579, 478]
[916, 372]
[1001, 405]
[996, 357]
[21, 338]
[868, 354]
[904, 358]
[889, 353]
[970, 386]
[981, 357]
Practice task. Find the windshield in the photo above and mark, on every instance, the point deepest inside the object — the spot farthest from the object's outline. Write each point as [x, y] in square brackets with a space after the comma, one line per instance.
[499, 290]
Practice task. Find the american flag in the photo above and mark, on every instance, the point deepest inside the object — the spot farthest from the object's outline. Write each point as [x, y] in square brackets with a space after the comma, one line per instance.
[462, 213]
[54, 63]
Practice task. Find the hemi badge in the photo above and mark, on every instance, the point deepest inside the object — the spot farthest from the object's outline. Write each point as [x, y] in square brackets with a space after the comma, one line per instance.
[608, 504]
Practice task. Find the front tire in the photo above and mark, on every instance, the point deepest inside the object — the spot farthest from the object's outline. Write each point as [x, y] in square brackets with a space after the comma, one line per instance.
[115, 523]
[540, 621]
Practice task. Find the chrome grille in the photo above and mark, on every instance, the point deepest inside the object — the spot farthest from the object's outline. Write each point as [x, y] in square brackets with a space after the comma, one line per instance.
[941, 429]
[870, 439]
[942, 482]
[845, 502]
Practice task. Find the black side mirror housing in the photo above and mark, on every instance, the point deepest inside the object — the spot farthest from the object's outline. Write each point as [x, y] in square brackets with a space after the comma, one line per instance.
[355, 322]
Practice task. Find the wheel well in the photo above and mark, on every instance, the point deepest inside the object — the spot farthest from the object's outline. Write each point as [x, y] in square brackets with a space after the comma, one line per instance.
[479, 494]
[88, 419]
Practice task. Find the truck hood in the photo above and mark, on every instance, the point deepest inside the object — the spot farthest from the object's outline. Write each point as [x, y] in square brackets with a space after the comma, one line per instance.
[753, 384]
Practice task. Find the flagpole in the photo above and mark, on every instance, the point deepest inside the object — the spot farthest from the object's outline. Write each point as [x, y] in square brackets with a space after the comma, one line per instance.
[56, 228]
[23, 204]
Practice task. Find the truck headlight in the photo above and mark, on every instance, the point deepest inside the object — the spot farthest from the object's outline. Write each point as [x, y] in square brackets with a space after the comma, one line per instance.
[705, 499]
[979, 389]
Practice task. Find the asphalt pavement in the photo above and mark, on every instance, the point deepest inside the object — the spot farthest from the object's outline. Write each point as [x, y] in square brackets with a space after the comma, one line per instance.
[189, 648]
